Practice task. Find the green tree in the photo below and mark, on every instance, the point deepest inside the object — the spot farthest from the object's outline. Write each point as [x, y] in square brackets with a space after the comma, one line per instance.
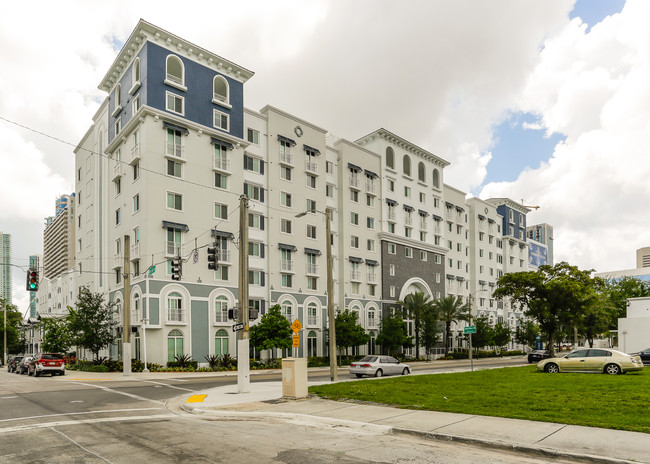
[501, 335]
[273, 331]
[526, 333]
[348, 331]
[598, 316]
[484, 333]
[451, 309]
[393, 334]
[429, 333]
[555, 296]
[619, 290]
[56, 334]
[15, 341]
[416, 306]
[91, 322]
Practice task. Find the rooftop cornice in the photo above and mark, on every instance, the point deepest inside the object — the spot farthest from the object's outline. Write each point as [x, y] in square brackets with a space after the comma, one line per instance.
[510, 204]
[145, 31]
[403, 144]
[264, 111]
[388, 237]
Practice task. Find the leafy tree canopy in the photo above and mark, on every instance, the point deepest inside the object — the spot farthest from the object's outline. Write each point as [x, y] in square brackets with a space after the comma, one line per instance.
[348, 331]
[56, 334]
[393, 334]
[417, 306]
[91, 322]
[273, 331]
[15, 342]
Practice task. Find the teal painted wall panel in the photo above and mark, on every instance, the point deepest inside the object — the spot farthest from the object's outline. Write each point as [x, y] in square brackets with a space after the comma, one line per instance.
[200, 324]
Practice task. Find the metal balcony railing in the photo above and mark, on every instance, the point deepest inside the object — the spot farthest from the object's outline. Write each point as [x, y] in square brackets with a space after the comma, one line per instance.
[174, 79]
[174, 149]
[174, 249]
[286, 157]
[311, 166]
[287, 265]
[222, 163]
[312, 268]
[355, 275]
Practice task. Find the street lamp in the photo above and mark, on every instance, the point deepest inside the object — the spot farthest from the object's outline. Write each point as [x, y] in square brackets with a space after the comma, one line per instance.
[330, 291]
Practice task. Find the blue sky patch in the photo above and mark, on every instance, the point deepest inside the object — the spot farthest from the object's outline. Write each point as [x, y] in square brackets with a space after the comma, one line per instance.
[594, 11]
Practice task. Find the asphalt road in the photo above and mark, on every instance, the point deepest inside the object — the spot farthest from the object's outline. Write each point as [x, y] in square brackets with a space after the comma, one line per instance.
[63, 420]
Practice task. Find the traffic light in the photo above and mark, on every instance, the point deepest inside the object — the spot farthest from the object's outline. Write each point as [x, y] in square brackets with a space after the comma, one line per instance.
[177, 268]
[32, 280]
[213, 261]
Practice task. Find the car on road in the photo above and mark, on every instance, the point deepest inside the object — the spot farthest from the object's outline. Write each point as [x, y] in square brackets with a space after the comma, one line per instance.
[644, 355]
[378, 366]
[47, 363]
[599, 360]
[537, 355]
[21, 367]
[13, 362]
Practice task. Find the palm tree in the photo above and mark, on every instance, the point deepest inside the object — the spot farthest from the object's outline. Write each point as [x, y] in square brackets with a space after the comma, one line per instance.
[416, 306]
[451, 309]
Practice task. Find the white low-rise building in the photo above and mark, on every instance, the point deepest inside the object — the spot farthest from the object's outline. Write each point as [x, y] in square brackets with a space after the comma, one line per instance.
[634, 330]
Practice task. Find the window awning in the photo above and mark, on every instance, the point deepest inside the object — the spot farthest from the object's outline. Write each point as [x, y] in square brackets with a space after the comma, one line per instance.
[512, 242]
[459, 209]
[408, 208]
[491, 221]
[284, 246]
[223, 234]
[354, 259]
[372, 262]
[370, 173]
[436, 217]
[491, 284]
[423, 213]
[223, 143]
[481, 217]
[286, 139]
[481, 282]
[181, 129]
[460, 278]
[450, 277]
[175, 225]
[354, 167]
[308, 148]
[522, 245]
[312, 251]
[391, 202]
[449, 205]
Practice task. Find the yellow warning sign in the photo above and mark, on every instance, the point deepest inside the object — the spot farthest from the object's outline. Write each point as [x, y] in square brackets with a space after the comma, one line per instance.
[296, 341]
[296, 326]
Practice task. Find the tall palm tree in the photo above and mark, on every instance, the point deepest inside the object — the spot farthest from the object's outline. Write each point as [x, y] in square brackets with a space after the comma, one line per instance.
[451, 309]
[416, 306]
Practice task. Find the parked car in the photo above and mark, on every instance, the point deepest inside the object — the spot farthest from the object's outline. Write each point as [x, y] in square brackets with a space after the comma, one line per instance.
[537, 356]
[21, 367]
[644, 355]
[599, 360]
[12, 363]
[379, 366]
[47, 363]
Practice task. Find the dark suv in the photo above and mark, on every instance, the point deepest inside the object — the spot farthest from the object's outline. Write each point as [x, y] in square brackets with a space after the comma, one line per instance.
[13, 362]
[46, 363]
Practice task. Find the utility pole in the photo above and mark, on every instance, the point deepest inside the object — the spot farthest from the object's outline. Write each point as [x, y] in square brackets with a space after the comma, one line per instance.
[330, 298]
[243, 336]
[126, 315]
[471, 357]
[4, 358]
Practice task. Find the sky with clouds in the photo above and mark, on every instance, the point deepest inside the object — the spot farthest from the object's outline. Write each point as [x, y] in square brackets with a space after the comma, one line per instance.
[545, 101]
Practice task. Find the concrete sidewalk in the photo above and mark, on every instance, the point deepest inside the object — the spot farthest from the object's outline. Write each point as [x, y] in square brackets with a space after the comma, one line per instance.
[580, 444]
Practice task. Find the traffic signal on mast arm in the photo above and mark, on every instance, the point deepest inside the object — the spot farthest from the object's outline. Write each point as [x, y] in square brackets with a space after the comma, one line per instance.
[177, 268]
[32, 280]
[213, 260]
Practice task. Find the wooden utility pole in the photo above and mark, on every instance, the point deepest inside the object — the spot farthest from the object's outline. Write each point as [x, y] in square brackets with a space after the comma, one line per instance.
[330, 298]
[126, 315]
[243, 336]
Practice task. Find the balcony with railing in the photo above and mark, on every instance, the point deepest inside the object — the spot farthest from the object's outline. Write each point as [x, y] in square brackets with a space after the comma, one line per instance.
[372, 278]
[174, 249]
[392, 216]
[135, 154]
[218, 97]
[175, 79]
[312, 268]
[372, 322]
[286, 156]
[222, 163]
[223, 256]
[135, 251]
[312, 320]
[311, 166]
[355, 275]
[423, 224]
[175, 315]
[371, 187]
[354, 182]
[118, 170]
[450, 215]
[174, 149]
[287, 265]
[118, 260]
[408, 220]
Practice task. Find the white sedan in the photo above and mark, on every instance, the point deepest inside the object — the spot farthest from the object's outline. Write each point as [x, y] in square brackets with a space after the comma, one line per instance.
[379, 366]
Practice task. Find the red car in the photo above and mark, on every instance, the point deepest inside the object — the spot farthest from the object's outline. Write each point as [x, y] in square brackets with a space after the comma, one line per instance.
[46, 363]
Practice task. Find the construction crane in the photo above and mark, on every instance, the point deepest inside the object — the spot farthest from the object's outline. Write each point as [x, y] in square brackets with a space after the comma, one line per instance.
[528, 206]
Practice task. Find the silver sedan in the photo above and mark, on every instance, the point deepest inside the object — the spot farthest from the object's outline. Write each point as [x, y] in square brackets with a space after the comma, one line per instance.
[379, 366]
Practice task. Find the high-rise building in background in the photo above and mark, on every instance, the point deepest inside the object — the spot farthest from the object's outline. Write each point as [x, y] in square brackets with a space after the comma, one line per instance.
[59, 239]
[643, 257]
[540, 237]
[5, 267]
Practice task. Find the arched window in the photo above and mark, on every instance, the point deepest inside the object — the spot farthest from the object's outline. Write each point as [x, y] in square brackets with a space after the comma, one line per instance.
[406, 165]
[372, 343]
[221, 309]
[390, 158]
[118, 309]
[175, 70]
[175, 310]
[220, 89]
[221, 343]
[174, 345]
[286, 309]
[312, 314]
[421, 174]
[312, 344]
[118, 95]
[357, 310]
[136, 313]
[435, 179]
[372, 322]
[135, 73]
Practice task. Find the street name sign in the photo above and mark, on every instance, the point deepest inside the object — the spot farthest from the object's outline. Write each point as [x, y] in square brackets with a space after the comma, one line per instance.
[470, 330]
[239, 326]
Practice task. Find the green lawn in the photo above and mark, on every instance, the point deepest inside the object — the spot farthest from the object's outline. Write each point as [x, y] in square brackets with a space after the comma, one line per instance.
[594, 400]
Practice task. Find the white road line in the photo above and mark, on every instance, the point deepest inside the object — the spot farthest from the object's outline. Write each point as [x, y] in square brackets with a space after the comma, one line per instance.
[79, 413]
[130, 395]
[22, 428]
[85, 449]
[167, 385]
[7, 397]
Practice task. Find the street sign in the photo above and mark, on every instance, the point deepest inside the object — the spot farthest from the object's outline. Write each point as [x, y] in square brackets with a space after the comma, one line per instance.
[239, 326]
[470, 330]
[296, 341]
[152, 269]
[296, 326]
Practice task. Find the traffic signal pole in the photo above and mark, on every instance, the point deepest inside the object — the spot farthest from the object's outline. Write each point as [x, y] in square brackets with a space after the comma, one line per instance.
[243, 336]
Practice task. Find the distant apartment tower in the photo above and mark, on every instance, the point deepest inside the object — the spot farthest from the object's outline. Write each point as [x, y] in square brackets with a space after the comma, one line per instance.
[5, 267]
[643, 257]
[541, 233]
[58, 240]
[34, 263]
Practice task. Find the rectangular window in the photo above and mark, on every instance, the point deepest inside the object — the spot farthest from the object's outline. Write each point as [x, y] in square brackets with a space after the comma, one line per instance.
[391, 269]
[136, 171]
[329, 167]
[392, 291]
[392, 248]
[136, 103]
[391, 227]
[311, 231]
[354, 241]
[311, 206]
[255, 277]
[118, 186]
[423, 255]
[370, 222]
[285, 226]
[174, 168]
[220, 180]
[407, 192]
[253, 136]
[285, 173]
[221, 120]
[408, 232]
[423, 197]
[370, 200]
[354, 288]
[136, 203]
[423, 236]
[118, 217]
[255, 221]
[118, 125]
[370, 245]
[354, 218]
[354, 196]
[287, 280]
[312, 283]
[311, 181]
[408, 252]
[329, 191]
[391, 185]
[118, 275]
[175, 201]
[221, 273]
[175, 103]
[252, 164]
[254, 249]
[220, 211]
[254, 192]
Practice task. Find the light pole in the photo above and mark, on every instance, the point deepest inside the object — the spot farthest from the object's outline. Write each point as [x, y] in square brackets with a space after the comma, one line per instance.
[4, 358]
[334, 377]
[144, 321]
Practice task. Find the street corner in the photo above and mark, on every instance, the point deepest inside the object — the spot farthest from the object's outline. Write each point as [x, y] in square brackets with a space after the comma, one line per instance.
[196, 398]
